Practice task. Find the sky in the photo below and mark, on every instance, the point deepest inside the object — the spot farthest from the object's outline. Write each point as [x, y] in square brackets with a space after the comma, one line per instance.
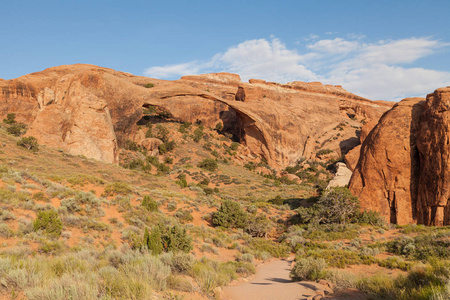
[382, 50]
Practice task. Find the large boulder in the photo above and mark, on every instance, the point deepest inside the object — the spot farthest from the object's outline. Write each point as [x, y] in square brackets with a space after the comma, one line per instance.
[433, 143]
[342, 176]
[385, 178]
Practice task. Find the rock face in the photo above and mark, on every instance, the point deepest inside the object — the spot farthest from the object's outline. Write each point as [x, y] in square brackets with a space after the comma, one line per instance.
[285, 122]
[89, 110]
[433, 205]
[384, 178]
[404, 168]
[342, 176]
[240, 94]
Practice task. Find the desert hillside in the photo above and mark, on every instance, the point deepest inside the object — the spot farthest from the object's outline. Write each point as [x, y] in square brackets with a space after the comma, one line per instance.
[115, 186]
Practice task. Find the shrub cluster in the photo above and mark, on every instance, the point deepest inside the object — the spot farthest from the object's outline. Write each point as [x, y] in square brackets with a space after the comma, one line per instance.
[208, 164]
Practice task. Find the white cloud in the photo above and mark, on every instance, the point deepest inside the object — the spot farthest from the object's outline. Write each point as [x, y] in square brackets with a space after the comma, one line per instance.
[270, 60]
[170, 71]
[373, 70]
[336, 46]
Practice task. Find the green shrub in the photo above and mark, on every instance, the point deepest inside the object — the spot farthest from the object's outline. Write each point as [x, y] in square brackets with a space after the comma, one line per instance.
[49, 222]
[149, 204]
[182, 182]
[131, 145]
[218, 127]
[162, 133]
[183, 127]
[10, 119]
[117, 188]
[163, 168]
[208, 164]
[29, 143]
[149, 132]
[16, 129]
[153, 241]
[175, 238]
[184, 216]
[277, 200]
[309, 269]
[250, 166]
[336, 205]
[230, 215]
[179, 262]
[258, 225]
[198, 134]
[149, 85]
[234, 146]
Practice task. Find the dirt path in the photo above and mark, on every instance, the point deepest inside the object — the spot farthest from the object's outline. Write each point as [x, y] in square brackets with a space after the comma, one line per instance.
[272, 282]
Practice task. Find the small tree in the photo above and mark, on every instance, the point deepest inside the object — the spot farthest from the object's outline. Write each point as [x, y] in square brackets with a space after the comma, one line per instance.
[230, 215]
[336, 205]
[29, 143]
[258, 225]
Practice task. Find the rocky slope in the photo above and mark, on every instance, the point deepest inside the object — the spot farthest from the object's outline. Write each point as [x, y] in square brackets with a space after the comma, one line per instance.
[89, 110]
[403, 168]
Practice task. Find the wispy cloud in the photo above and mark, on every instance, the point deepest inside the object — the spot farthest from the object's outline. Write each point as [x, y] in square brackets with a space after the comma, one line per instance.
[377, 70]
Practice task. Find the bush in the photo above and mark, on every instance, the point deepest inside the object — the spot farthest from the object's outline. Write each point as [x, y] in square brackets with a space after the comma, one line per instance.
[49, 222]
[208, 164]
[309, 269]
[179, 262]
[277, 200]
[198, 134]
[16, 129]
[162, 133]
[10, 119]
[149, 204]
[230, 215]
[29, 143]
[234, 146]
[149, 85]
[117, 188]
[183, 127]
[175, 239]
[258, 226]
[337, 205]
[153, 241]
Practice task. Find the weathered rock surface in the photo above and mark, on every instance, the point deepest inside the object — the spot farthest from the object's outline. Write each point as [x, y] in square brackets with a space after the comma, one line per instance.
[342, 176]
[89, 110]
[433, 206]
[385, 176]
[285, 122]
[352, 156]
[151, 145]
[240, 94]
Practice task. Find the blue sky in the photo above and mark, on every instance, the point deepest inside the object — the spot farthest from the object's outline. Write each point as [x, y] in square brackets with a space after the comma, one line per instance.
[379, 49]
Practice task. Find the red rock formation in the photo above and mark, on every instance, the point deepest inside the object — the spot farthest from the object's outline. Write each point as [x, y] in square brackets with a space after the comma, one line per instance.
[352, 157]
[433, 205]
[240, 94]
[385, 176]
[90, 110]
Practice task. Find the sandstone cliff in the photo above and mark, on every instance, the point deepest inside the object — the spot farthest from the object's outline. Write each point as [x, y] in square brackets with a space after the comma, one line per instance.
[89, 110]
[433, 205]
[386, 171]
[403, 170]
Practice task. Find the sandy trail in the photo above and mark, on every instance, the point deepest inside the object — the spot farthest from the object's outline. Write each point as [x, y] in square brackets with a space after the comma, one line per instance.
[272, 282]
